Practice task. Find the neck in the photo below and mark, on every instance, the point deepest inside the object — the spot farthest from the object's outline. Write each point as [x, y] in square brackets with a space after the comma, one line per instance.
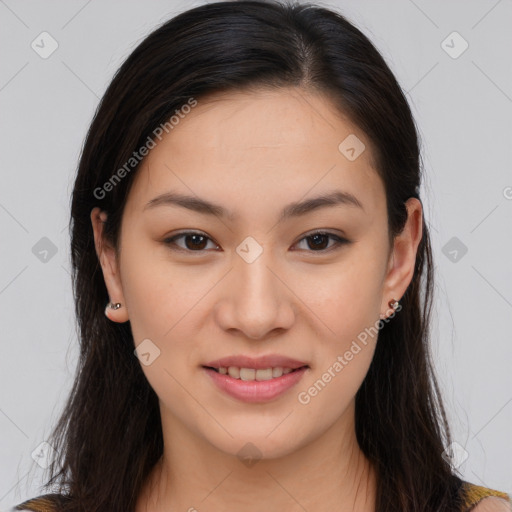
[329, 473]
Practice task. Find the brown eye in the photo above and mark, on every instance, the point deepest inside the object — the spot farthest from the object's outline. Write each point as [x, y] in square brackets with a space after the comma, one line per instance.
[197, 242]
[319, 241]
[193, 242]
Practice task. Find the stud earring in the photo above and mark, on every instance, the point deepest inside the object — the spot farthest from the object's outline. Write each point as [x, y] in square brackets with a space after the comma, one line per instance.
[112, 305]
[393, 303]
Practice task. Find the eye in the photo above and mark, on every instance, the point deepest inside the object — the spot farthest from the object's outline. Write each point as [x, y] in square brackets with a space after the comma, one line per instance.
[194, 241]
[197, 242]
[320, 238]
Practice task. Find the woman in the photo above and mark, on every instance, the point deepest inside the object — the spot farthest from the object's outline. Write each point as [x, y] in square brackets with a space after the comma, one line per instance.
[247, 205]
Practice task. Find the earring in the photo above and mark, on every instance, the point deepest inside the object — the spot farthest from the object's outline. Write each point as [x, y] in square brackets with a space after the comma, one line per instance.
[111, 305]
[393, 303]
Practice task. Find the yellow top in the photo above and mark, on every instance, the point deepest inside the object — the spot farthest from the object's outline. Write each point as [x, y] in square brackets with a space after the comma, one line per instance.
[472, 494]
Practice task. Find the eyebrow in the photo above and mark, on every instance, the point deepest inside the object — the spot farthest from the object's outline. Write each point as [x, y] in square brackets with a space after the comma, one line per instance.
[297, 209]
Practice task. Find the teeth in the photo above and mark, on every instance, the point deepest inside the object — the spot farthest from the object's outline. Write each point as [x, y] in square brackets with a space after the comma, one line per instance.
[248, 373]
[253, 374]
[234, 372]
[277, 372]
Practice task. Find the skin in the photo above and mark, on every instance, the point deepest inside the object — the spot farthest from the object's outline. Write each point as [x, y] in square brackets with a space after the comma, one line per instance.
[254, 153]
[493, 504]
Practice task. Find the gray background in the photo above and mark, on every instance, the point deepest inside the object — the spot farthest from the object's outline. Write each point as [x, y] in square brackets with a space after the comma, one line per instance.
[463, 107]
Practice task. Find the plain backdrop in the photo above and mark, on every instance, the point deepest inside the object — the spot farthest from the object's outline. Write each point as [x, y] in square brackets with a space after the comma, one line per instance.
[453, 60]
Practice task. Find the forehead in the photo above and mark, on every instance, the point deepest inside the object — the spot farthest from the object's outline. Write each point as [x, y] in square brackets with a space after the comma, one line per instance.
[245, 146]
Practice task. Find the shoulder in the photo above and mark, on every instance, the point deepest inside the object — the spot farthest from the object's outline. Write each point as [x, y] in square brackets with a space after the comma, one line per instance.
[476, 498]
[493, 504]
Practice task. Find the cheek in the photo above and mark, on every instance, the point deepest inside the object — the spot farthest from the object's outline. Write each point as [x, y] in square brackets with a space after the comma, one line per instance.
[346, 344]
[164, 301]
[159, 293]
[348, 299]
[349, 309]
[330, 390]
[168, 305]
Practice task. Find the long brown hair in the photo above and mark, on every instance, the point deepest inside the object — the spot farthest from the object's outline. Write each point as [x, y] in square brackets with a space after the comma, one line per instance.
[109, 435]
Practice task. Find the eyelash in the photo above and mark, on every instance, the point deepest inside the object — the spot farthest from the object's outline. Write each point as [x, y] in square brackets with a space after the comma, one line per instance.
[340, 241]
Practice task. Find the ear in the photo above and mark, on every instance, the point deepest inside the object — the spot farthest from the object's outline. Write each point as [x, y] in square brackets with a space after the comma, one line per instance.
[110, 267]
[403, 256]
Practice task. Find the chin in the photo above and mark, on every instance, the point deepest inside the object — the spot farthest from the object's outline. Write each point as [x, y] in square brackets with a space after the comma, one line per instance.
[257, 444]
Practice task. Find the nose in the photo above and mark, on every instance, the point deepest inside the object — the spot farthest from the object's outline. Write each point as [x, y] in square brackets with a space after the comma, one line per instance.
[255, 300]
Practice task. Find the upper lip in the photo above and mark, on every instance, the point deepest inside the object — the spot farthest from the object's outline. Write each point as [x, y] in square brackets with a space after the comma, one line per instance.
[268, 361]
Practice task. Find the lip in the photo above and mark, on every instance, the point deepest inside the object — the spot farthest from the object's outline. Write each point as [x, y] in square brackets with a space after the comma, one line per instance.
[255, 391]
[258, 363]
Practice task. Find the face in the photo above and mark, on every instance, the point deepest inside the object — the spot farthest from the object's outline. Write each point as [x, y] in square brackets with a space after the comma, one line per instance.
[258, 277]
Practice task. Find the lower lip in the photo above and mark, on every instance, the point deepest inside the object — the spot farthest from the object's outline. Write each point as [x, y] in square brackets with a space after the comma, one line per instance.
[254, 390]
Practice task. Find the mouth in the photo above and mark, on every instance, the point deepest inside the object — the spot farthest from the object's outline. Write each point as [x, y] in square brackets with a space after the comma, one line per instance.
[254, 374]
[255, 385]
